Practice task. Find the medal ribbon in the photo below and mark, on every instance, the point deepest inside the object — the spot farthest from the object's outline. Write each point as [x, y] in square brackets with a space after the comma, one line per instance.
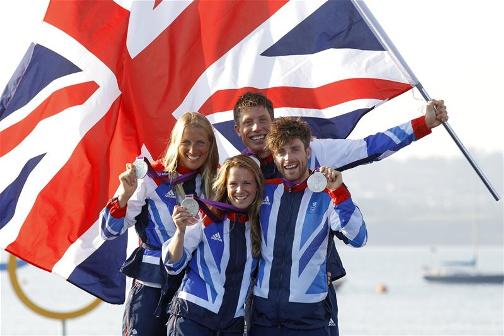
[224, 207]
[179, 179]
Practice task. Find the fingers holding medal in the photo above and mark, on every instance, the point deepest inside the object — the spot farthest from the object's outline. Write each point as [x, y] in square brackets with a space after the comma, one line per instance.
[183, 218]
[128, 184]
[317, 182]
[334, 177]
[191, 205]
[140, 168]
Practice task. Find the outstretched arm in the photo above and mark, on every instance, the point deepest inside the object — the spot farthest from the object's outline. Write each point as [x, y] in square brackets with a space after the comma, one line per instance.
[343, 154]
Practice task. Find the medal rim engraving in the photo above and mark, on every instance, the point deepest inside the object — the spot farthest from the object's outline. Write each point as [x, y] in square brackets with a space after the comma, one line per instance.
[191, 205]
[316, 179]
[140, 168]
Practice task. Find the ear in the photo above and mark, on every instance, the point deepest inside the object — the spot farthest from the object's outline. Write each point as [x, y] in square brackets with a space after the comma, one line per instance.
[308, 152]
[237, 129]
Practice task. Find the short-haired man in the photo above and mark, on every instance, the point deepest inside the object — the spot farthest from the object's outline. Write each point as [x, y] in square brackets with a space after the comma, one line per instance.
[253, 114]
[291, 285]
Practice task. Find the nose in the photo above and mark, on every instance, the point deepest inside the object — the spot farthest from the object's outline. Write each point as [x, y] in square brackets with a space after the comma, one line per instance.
[191, 148]
[255, 126]
[238, 188]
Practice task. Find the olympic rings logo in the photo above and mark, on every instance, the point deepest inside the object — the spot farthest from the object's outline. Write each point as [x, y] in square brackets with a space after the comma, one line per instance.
[12, 268]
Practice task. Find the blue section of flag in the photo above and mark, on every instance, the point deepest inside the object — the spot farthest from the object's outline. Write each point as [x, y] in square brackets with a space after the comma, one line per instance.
[99, 274]
[9, 196]
[226, 128]
[335, 128]
[323, 128]
[336, 24]
[39, 67]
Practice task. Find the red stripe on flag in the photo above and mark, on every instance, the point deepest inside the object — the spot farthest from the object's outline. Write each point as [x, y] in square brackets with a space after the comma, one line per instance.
[100, 26]
[58, 101]
[160, 77]
[313, 98]
[85, 183]
[157, 3]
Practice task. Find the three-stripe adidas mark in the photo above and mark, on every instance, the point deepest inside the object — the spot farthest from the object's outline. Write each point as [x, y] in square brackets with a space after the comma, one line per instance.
[216, 236]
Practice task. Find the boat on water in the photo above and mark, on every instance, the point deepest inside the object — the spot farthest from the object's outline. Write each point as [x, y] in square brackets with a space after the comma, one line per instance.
[462, 272]
[463, 277]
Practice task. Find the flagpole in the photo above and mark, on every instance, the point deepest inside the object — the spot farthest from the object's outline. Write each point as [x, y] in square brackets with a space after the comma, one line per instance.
[401, 63]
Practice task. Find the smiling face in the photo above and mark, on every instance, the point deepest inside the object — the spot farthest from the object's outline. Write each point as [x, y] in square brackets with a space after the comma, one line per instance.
[194, 147]
[291, 160]
[241, 187]
[253, 125]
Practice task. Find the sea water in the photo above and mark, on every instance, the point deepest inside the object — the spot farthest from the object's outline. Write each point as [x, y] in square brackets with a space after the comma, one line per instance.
[409, 305]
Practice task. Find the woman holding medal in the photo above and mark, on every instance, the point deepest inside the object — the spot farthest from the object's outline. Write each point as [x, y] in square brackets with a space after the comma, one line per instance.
[146, 199]
[218, 250]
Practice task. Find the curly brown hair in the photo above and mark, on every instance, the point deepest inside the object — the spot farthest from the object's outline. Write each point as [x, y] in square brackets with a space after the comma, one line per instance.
[252, 99]
[284, 130]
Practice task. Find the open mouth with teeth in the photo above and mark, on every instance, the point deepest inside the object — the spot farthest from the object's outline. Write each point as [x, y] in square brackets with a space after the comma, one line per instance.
[193, 157]
[291, 166]
[258, 138]
[241, 201]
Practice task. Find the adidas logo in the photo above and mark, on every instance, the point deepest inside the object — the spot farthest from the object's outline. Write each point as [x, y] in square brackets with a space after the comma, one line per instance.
[266, 201]
[170, 194]
[216, 236]
[331, 323]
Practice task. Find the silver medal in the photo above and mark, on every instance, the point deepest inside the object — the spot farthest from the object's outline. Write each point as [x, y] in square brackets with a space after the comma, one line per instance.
[140, 168]
[191, 205]
[317, 182]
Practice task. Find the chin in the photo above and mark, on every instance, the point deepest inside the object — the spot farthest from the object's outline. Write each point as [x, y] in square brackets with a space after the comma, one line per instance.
[194, 165]
[242, 206]
[291, 177]
[254, 148]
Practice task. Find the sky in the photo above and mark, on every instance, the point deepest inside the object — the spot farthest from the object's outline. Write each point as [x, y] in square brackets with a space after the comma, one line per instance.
[454, 49]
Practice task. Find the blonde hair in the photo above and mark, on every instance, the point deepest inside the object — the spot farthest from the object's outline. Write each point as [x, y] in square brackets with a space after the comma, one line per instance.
[220, 194]
[170, 158]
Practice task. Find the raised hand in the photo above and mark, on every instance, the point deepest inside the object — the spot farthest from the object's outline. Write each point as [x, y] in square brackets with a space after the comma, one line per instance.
[334, 177]
[435, 113]
[182, 218]
[128, 184]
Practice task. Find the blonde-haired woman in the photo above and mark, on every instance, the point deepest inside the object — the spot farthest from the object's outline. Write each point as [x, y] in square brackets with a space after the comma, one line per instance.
[218, 251]
[188, 167]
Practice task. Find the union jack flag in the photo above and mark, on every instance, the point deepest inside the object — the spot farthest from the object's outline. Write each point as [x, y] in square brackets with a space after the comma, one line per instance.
[106, 80]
